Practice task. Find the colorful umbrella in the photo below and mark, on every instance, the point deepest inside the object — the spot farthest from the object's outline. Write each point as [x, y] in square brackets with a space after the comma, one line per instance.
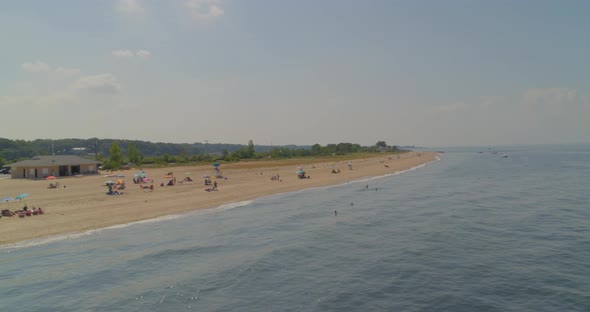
[21, 196]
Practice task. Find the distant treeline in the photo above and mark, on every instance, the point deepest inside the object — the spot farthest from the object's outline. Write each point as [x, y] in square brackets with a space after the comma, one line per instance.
[149, 152]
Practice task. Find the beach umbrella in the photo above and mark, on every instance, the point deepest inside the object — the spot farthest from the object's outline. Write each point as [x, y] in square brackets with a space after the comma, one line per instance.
[51, 178]
[21, 196]
[215, 164]
[145, 180]
[300, 172]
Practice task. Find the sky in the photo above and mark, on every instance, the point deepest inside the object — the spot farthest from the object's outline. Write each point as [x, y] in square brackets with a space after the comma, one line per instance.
[415, 72]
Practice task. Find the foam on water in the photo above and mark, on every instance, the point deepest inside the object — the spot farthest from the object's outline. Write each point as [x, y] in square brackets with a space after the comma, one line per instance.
[76, 235]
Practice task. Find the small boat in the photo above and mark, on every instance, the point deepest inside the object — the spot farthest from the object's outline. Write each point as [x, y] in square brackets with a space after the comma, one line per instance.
[504, 156]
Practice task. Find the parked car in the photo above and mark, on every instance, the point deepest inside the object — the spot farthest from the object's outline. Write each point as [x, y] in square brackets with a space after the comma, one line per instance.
[5, 171]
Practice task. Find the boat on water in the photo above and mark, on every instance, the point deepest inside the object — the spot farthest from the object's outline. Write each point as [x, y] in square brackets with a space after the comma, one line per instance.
[504, 155]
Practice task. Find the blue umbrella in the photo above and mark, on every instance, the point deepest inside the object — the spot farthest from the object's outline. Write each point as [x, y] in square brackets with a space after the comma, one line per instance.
[21, 196]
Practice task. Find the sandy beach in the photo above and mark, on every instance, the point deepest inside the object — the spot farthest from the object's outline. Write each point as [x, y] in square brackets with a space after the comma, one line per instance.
[80, 203]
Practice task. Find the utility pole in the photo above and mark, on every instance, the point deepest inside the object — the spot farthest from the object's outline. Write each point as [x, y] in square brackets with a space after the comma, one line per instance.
[206, 147]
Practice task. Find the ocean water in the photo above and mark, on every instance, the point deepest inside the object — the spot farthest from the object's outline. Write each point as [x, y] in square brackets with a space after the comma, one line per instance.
[471, 232]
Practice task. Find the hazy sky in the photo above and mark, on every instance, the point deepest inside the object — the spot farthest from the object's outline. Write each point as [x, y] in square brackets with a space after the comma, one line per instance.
[431, 73]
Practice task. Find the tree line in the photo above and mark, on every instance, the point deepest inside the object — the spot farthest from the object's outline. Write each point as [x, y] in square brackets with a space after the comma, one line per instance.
[116, 158]
[116, 153]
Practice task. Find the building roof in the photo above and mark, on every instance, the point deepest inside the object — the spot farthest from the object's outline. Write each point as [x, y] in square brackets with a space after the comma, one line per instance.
[55, 160]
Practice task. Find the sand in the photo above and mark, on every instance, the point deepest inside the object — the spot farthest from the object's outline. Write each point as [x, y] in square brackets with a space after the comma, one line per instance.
[83, 205]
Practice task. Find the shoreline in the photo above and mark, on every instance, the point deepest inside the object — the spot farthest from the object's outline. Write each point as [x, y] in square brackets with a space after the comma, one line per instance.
[70, 218]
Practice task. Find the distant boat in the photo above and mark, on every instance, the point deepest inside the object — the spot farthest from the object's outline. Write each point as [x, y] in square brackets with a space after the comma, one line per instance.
[504, 155]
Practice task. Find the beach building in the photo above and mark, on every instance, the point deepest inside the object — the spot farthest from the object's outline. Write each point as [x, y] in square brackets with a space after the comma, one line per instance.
[40, 167]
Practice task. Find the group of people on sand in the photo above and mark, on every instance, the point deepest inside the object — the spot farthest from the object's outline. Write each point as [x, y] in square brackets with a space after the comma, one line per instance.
[335, 170]
[171, 182]
[213, 188]
[276, 178]
[25, 212]
[114, 189]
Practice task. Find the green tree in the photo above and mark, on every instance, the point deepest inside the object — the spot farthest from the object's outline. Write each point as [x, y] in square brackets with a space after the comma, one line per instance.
[115, 156]
[183, 157]
[133, 153]
[316, 149]
[250, 152]
[381, 144]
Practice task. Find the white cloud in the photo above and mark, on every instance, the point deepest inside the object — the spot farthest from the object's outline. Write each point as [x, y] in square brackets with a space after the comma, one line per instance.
[540, 98]
[203, 9]
[102, 83]
[36, 67]
[143, 54]
[122, 53]
[129, 6]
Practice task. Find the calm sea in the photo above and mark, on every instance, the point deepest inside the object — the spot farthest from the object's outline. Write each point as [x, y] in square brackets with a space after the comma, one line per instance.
[471, 232]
